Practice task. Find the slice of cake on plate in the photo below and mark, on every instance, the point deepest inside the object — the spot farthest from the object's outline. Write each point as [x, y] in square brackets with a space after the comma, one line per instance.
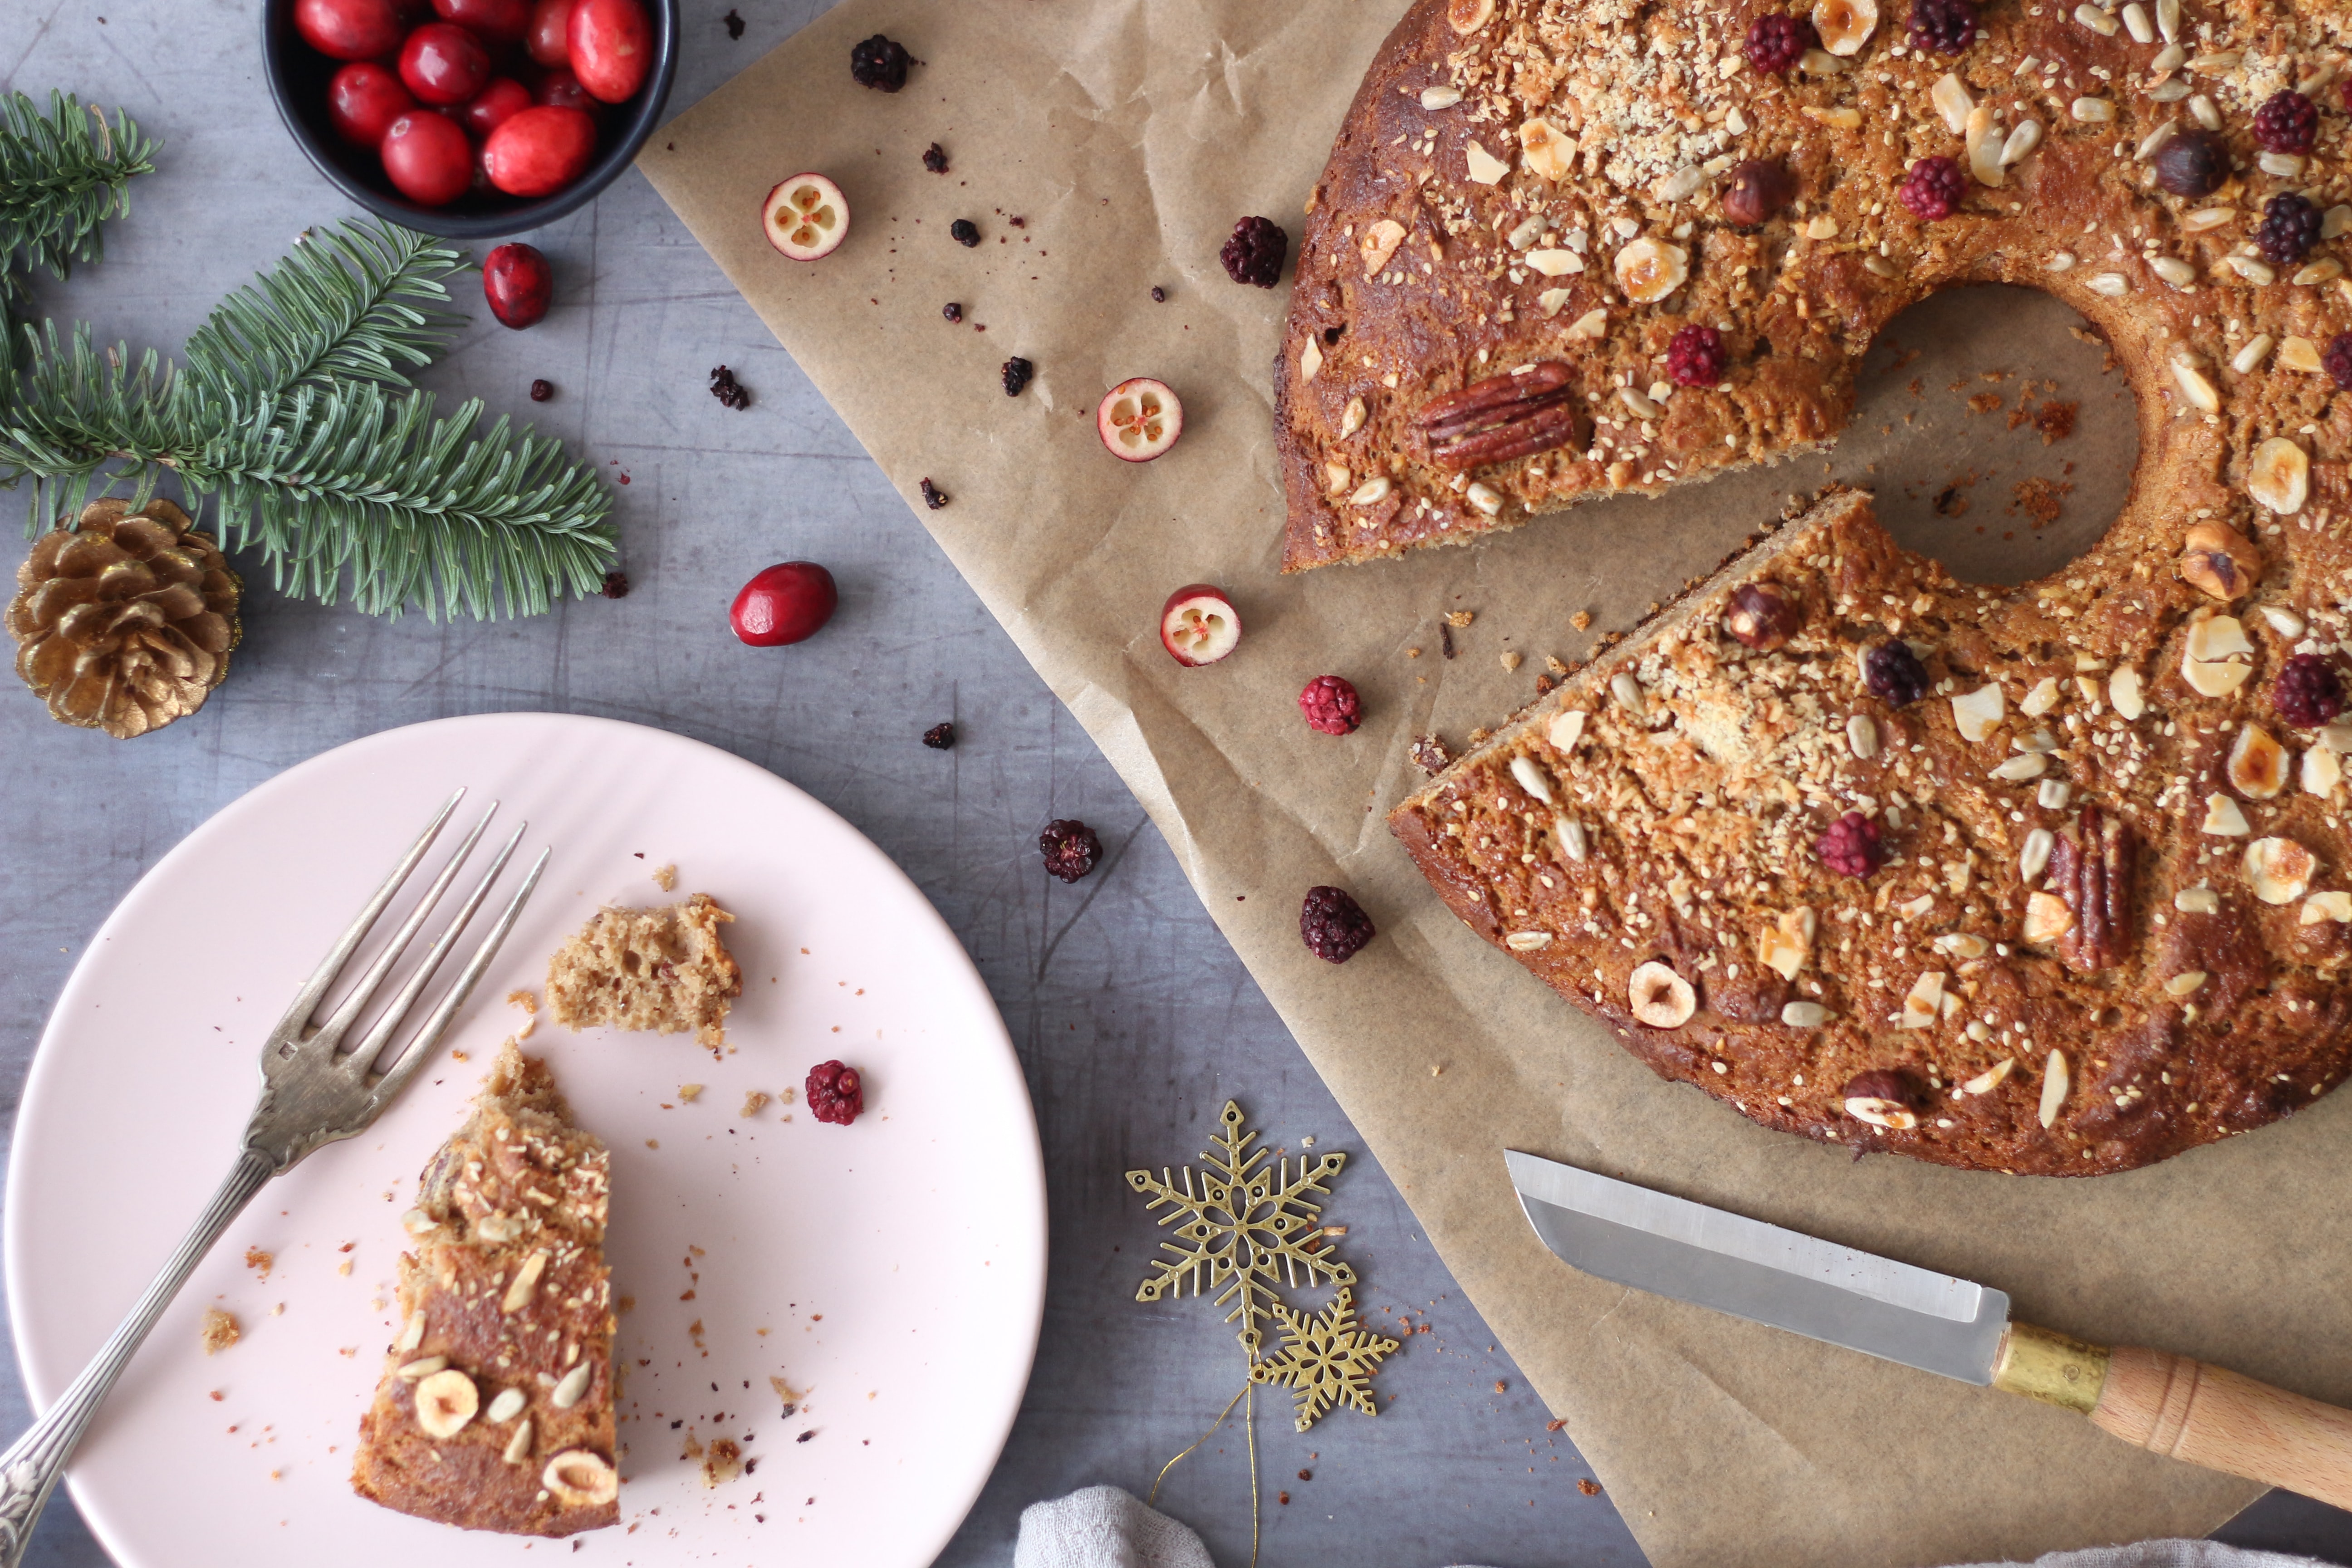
[496, 1407]
[665, 968]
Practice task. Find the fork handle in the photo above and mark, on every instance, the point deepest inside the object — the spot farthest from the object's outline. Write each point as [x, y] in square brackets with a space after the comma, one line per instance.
[30, 1469]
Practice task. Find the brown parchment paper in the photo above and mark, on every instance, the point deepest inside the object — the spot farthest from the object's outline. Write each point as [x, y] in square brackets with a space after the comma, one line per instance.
[1128, 135]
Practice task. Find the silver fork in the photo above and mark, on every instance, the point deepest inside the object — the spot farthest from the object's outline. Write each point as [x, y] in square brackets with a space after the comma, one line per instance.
[313, 1091]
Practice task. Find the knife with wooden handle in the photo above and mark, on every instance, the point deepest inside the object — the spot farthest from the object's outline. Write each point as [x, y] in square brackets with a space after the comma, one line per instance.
[2167, 1404]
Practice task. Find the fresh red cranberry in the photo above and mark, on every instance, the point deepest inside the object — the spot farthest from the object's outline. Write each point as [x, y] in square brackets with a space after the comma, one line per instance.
[518, 284]
[428, 158]
[348, 29]
[2286, 123]
[494, 21]
[444, 64]
[540, 150]
[500, 102]
[835, 1093]
[2337, 361]
[1331, 705]
[612, 46]
[362, 100]
[559, 88]
[2307, 692]
[1777, 41]
[1933, 189]
[548, 42]
[1696, 357]
[788, 603]
[1851, 847]
[1333, 925]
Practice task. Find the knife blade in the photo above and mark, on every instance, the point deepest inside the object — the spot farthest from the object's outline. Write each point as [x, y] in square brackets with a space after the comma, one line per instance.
[1712, 1258]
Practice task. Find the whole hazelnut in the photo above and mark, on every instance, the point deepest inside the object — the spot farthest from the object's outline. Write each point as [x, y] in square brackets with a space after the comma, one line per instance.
[1762, 616]
[2219, 562]
[2192, 162]
[1757, 190]
[1882, 1098]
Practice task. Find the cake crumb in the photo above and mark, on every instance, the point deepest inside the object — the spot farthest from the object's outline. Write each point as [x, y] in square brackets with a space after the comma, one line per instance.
[664, 970]
[723, 1461]
[754, 1102]
[1588, 1486]
[259, 1261]
[218, 1332]
[344, 1268]
[689, 1092]
[1460, 618]
[459, 1057]
[1581, 620]
[526, 1000]
[1510, 662]
[666, 877]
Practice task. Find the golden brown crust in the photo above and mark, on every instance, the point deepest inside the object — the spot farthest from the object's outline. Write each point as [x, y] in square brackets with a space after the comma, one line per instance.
[508, 1287]
[2185, 999]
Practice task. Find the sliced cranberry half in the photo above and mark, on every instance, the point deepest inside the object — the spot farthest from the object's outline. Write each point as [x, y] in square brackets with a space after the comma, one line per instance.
[1198, 624]
[805, 217]
[1139, 420]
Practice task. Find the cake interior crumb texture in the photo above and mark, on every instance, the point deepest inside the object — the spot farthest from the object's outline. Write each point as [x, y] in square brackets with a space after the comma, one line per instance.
[665, 970]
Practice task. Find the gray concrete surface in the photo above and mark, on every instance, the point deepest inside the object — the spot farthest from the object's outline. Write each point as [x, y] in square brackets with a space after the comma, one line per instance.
[1134, 1020]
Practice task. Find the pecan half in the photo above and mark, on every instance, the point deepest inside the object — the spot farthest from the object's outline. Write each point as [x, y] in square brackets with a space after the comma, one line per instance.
[2093, 873]
[1501, 417]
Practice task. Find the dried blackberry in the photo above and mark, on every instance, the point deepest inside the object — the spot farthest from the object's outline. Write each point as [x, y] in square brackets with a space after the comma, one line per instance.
[541, 390]
[1944, 27]
[964, 232]
[1933, 189]
[879, 63]
[952, 312]
[730, 391]
[835, 1093]
[1017, 373]
[1894, 674]
[2290, 228]
[1696, 357]
[2192, 163]
[2337, 361]
[1070, 848]
[734, 24]
[939, 737]
[2286, 123]
[1777, 41]
[1852, 846]
[935, 159]
[1333, 925]
[1254, 252]
[1331, 705]
[933, 497]
[2307, 692]
[1159, 295]
[616, 585]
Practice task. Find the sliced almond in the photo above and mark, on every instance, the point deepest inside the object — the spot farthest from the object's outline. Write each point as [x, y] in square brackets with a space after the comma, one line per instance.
[2185, 983]
[2201, 394]
[1660, 998]
[2257, 764]
[1950, 96]
[518, 1446]
[2127, 693]
[1846, 25]
[423, 1367]
[1924, 1003]
[2047, 919]
[2044, 696]
[1352, 420]
[1982, 140]
[412, 1334]
[506, 1406]
[2196, 901]
[1487, 501]
[2300, 353]
[1546, 149]
[1310, 358]
[1890, 1113]
[1978, 713]
[2279, 476]
[1785, 945]
[1379, 243]
[1963, 944]
[2223, 818]
[1649, 269]
[1592, 326]
[1991, 1077]
[1555, 263]
[2017, 770]
[2322, 772]
[1527, 941]
[2216, 659]
[1481, 165]
[2279, 869]
[1565, 730]
[575, 1384]
[2055, 1081]
[2334, 905]
[2033, 857]
[446, 1402]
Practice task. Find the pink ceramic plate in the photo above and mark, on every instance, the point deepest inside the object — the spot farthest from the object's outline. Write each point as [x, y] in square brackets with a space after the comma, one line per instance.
[891, 1273]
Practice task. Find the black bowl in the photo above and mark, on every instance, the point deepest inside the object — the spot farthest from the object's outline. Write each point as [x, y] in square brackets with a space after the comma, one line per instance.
[298, 80]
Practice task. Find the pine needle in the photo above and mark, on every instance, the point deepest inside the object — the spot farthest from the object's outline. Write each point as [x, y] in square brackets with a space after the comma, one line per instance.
[61, 175]
[294, 414]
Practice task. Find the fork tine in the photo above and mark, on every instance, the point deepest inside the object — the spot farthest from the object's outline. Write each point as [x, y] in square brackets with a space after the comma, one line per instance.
[420, 1049]
[396, 1012]
[306, 1001]
[332, 1032]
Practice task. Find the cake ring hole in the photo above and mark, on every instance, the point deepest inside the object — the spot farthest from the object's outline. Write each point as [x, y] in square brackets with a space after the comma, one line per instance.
[1980, 488]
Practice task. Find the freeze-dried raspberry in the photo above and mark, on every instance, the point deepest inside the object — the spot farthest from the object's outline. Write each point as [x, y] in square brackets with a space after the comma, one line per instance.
[835, 1093]
[2336, 360]
[1334, 925]
[2307, 692]
[1851, 847]
[1070, 848]
[1893, 673]
[2286, 123]
[879, 63]
[1777, 41]
[2290, 228]
[1331, 705]
[1945, 27]
[1696, 357]
[1933, 189]
[1254, 254]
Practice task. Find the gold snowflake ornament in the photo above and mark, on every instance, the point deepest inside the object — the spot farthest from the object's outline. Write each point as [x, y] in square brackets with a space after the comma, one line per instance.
[1245, 1230]
[1327, 1360]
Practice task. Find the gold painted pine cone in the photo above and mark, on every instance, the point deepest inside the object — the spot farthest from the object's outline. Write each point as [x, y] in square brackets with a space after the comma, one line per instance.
[124, 622]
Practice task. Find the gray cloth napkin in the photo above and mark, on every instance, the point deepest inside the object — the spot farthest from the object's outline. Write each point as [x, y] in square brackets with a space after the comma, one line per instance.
[1103, 1527]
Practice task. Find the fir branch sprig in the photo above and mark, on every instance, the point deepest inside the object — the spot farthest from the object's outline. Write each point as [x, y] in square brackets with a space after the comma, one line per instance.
[61, 175]
[294, 414]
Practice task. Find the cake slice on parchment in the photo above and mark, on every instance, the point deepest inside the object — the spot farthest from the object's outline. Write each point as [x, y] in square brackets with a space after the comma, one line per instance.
[664, 969]
[496, 1407]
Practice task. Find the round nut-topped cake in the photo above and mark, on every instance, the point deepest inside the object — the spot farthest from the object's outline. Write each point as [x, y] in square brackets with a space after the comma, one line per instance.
[2046, 878]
